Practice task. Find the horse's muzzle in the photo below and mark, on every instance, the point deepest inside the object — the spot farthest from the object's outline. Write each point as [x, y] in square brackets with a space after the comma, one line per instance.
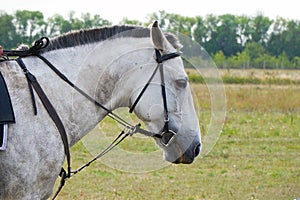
[190, 154]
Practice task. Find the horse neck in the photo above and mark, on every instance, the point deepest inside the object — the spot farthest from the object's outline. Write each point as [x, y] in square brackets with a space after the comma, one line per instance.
[106, 75]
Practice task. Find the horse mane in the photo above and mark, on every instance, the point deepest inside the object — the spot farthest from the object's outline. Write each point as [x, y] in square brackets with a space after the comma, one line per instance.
[87, 36]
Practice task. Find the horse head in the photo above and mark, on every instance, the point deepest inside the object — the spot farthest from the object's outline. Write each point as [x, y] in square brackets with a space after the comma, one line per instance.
[166, 104]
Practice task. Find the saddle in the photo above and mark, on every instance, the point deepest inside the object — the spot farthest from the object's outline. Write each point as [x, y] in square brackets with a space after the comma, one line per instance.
[6, 112]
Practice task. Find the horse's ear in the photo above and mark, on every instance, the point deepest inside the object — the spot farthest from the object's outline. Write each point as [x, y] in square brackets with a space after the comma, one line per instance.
[158, 38]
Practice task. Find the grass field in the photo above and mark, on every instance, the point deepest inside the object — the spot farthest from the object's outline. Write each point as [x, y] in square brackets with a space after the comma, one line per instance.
[256, 157]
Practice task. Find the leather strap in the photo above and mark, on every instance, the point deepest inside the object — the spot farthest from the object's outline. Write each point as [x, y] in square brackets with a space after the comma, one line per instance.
[50, 109]
[143, 91]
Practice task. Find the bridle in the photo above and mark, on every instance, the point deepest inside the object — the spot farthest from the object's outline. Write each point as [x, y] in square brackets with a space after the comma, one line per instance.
[166, 135]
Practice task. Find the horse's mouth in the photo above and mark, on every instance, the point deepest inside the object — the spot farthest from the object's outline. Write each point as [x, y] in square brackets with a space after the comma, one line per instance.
[188, 156]
[183, 160]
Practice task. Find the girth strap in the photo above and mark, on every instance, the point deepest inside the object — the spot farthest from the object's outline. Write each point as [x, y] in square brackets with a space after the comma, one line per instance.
[32, 82]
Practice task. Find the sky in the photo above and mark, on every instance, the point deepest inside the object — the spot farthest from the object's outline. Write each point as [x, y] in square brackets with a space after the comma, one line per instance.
[116, 10]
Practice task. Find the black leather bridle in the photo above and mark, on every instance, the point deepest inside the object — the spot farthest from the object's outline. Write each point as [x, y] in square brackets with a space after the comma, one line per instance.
[166, 134]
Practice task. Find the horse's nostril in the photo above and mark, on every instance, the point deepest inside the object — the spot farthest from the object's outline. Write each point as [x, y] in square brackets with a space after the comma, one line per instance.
[197, 150]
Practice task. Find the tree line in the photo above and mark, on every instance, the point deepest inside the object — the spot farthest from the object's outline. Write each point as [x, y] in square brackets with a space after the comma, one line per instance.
[232, 41]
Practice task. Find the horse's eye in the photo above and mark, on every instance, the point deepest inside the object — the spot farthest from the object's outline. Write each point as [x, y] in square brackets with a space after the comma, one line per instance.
[182, 83]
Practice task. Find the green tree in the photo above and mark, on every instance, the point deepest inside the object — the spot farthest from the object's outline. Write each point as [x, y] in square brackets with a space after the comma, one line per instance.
[55, 25]
[58, 24]
[254, 50]
[90, 21]
[125, 20]
[200, 31]
[291, 39]
[75, 23]
[210, 22]
[220, 59]
[8, 36]
[30, 25]
[180, 24]
[224, 38]
[160, 16]
[260, 27]
[296, 62]
[243, 29]
[243, 59]
[275, 45]
[285, 38]
[263, 61]
[284, 61]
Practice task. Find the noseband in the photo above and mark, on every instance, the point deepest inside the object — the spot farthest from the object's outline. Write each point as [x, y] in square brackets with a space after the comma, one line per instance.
[166, 134]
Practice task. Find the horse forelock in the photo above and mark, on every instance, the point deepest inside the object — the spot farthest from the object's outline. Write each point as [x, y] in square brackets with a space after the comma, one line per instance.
[87, 36]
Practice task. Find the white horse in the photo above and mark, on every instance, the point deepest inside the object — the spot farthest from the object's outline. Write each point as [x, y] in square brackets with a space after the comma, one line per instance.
[111, 64]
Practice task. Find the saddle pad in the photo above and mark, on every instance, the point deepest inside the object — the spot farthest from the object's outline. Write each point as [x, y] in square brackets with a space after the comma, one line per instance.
[6, 109]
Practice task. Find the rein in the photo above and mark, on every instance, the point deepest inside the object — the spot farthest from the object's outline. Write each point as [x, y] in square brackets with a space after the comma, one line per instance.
[166, 135]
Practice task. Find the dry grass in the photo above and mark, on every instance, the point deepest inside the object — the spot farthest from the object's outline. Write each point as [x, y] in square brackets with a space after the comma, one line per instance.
[262, 74]
[262, 98]
[250, 76]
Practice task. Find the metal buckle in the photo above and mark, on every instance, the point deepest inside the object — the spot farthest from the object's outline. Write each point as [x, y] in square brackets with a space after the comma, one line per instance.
[167, 137]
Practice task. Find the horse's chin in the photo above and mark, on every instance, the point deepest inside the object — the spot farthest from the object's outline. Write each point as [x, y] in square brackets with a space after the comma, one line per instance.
[187, 157]
[182, 160]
